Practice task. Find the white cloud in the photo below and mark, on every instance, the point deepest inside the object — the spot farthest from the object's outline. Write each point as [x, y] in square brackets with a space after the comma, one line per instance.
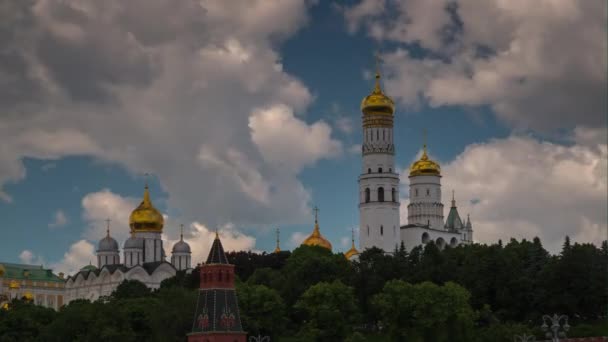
[520, 187]
[288, 143]
[103, 205]
[523, 60]
[355, 149]
[162, 96]
[79, 255]
[59, 219]
[26, 256]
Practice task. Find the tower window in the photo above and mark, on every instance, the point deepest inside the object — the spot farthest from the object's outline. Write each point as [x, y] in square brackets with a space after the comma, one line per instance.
[381, 230]
[379, 170]
[393, 193]
[377, 135]
[383, 134]
[428, 192]
[367, 230]
[390, 170]
[416, 191]
[371, 134]
[367, 195]
[369, 170]
[380, 194]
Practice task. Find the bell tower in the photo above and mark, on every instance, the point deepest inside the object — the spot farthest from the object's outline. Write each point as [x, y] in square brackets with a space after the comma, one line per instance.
[379, 181]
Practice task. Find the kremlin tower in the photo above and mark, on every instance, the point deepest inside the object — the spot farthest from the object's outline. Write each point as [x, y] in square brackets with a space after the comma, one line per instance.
[217, 317]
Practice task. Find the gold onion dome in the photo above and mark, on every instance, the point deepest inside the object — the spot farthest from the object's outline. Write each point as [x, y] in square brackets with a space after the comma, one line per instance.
[425, 166]
[377, 103]
[146, 218]
[352, 251]
[316, 239]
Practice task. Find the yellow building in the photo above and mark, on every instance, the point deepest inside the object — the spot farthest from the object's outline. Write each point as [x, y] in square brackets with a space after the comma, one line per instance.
[32, 282]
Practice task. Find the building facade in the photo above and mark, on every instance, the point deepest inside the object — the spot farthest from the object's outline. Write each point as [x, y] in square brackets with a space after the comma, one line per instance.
[31, 282]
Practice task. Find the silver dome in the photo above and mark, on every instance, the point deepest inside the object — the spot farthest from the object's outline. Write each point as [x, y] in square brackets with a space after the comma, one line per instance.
[108, 244]
[181, 247]
[134, 242]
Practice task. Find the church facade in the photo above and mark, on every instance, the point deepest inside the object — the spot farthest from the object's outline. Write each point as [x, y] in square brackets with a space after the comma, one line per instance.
[144, 257]
[379, 218]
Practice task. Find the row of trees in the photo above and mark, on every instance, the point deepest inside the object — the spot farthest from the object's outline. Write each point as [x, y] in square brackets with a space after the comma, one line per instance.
[467, 293]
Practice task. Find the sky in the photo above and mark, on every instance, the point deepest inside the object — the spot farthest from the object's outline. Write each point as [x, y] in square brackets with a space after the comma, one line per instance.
[245, 115]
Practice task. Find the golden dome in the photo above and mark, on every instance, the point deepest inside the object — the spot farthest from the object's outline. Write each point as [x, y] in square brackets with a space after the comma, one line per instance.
[377, 103]
[146, 218]
[316, 239]
[13, 284]
[28, 296]
[352, 251]
[278, 248]
[425, 166]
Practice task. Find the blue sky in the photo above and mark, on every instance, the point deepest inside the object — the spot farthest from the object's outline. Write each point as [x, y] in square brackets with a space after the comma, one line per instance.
[247, 118]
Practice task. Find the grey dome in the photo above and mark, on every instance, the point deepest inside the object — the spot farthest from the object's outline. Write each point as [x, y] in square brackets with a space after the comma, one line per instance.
[181, 247]
[108, 244]
[134, 242]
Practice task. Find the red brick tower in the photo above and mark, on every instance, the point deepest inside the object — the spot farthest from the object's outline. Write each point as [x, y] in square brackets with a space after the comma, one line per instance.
[217, 316]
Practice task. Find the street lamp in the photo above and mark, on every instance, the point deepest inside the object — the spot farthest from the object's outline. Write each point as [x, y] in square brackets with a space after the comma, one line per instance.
[553, 331]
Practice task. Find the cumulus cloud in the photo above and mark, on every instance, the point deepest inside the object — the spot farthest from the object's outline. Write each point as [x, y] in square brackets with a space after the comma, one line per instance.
[105, 205]
[59, 220]
[289, 143]
[524, 61]
[79, 255]
[128, 84]
[520, 187]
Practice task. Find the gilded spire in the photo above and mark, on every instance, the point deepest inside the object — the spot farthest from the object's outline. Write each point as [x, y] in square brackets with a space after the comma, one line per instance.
[278, 248]
[378, 107]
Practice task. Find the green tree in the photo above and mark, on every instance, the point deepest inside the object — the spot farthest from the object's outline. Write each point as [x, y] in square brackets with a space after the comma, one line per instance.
[425, 312]
[23, 321]
[130, 289]
[309, 265]
[330, 311]
[262, 310]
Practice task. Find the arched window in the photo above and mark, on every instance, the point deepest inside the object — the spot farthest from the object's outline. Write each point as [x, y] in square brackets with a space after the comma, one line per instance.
[380, 194]
[367, 195]
[390, 170]
[367, 230]
[393, 195]
[377, 135]
[416, 191]
[425, 237]
[381, 230]
[369, 170]
[383, 134]
[428, 192]
[371, 134]
[379, 170]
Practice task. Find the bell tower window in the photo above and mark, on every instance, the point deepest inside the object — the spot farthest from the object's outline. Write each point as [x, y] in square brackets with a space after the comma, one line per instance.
[380, 194]
[367, 192]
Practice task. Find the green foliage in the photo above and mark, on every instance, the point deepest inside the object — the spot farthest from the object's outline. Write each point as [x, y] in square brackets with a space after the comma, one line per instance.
[308, 266]
[425, 312]
[24, 321]
[262, 310]
[331, 311]
[130, 289]
[315, 295]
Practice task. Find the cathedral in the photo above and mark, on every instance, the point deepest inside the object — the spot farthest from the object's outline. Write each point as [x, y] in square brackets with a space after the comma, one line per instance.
[144, 257]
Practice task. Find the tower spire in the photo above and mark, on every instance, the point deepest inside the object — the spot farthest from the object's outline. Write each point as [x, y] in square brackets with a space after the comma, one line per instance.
[353, 237]
[316, 210]
[108, 227]
[278, 248]
[453, 200]
[181, 232]
[378, 60]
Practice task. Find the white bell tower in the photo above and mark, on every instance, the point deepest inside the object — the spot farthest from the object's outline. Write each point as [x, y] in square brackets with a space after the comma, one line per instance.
[379, 181]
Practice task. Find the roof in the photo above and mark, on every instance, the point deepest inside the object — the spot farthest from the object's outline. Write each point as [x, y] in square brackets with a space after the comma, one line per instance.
[29, 272]
[216, 254]
[453, 222]
[149, 267]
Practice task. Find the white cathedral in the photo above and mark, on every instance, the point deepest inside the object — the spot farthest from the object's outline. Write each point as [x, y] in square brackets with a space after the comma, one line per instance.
[379, 221]
[143, 257]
